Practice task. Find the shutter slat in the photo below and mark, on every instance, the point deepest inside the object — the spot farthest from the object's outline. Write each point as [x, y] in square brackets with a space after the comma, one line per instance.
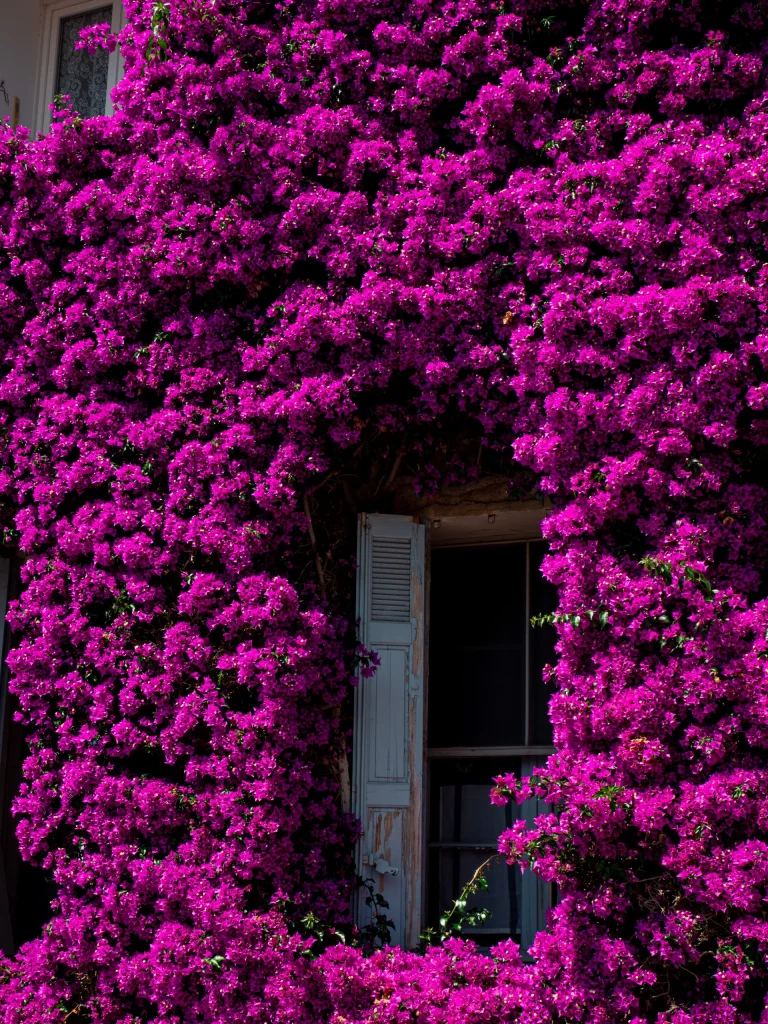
[391, 579]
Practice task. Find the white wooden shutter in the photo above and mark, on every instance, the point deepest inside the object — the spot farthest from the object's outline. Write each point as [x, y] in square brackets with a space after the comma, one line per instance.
[535, 892]
[389, 719]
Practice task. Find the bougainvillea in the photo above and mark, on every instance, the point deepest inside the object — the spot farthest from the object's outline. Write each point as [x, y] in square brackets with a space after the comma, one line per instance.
[318, 245]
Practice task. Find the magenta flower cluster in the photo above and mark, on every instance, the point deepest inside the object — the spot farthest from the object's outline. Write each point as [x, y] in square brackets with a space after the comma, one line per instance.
[321, 236]
[97, 37]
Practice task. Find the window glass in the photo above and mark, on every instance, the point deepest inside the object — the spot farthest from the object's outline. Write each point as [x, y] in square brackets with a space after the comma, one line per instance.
[81, 75]
[464, 829]
[477, 647]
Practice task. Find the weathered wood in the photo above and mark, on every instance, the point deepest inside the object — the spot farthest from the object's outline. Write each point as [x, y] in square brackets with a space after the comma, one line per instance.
[389, 720]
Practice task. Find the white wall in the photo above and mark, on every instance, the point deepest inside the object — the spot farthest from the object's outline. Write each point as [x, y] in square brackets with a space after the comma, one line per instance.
[20, 30]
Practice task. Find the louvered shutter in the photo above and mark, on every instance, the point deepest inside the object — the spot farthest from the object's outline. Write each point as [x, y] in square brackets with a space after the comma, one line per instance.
[389, 719]
[536, 894]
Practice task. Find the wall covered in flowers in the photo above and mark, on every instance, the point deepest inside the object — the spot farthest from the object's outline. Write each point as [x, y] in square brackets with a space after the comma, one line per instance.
[321, 245]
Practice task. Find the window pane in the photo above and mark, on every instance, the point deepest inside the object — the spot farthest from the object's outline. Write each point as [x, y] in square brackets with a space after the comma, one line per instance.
[468, 816]
[543, 599]
[464, 830]
[81, 75]
[502, 897]
[477, 647]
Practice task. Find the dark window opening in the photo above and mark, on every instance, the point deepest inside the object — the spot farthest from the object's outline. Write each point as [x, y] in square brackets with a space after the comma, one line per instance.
[487, 714]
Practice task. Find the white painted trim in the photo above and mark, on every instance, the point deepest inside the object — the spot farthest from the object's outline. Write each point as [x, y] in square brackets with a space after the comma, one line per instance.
[53, 14]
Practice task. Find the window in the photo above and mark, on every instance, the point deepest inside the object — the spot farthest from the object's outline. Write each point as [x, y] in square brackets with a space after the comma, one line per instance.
[425, 807]
[87, 78]
[487, 716]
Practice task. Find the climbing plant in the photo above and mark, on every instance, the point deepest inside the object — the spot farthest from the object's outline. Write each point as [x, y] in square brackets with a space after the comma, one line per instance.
[321, 247]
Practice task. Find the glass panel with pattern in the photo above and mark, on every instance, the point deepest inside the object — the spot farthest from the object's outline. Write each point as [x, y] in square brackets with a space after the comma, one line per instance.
[81, 75]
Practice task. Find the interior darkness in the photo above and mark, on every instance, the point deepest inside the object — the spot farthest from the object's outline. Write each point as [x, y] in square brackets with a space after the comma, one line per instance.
[542, 650]
[477, 647]
[479, 626]
[477, 637]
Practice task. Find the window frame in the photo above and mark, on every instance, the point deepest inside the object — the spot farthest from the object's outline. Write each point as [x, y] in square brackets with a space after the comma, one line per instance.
[484, 935]
[54, 12]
